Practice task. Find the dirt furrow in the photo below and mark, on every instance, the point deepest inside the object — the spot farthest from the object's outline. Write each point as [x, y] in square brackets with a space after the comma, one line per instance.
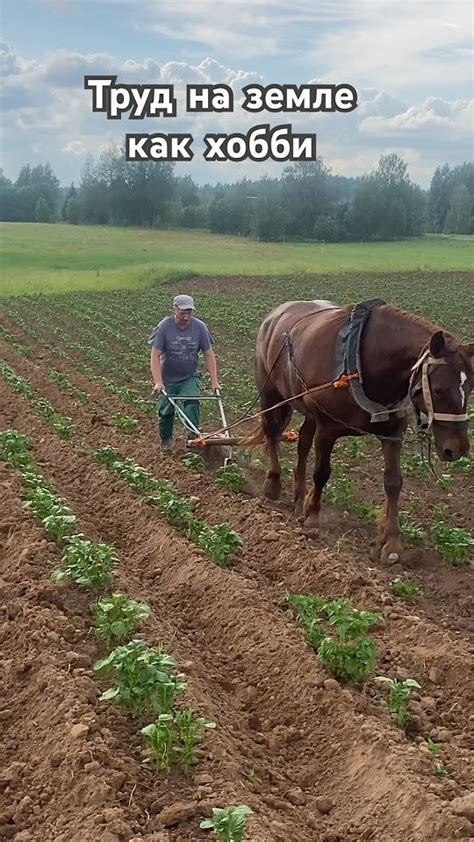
[291, 562]
[314, 735]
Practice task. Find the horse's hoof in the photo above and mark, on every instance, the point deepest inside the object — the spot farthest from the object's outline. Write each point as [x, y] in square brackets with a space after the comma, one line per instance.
[271, 489]
[311, 532]
[298, 510]
[311, 522]
[389, 555]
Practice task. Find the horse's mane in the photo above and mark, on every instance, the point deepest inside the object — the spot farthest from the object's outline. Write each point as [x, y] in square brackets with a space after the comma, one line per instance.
[419, 321]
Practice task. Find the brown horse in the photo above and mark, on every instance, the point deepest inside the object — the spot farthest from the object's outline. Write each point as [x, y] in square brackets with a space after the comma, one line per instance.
[399, 353]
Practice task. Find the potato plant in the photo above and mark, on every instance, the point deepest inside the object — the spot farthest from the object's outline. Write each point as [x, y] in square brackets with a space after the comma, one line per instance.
[86, 563]
[145, 680]
[339, 636]
[307, 610]
[189, 730]
[125, 424]
[194, 462]
[399, 697]
[159, 737]
[228, 824]
[117, 615]
[351, 655]
[220, 542]
[445, 481]
[414, 465]
[411, 531]
[173, 738]
[231, 477]
[405, 590]
[55, 516]
[342, 492]
[455, 545]
[15, 449]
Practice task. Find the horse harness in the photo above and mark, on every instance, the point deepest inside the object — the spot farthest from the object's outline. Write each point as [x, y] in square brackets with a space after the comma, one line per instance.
[459, 421]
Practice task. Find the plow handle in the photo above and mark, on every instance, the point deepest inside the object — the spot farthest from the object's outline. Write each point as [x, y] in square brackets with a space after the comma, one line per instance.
[222, 413]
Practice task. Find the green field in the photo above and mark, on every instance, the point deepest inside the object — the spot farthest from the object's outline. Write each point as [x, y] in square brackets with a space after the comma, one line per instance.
[63, 258]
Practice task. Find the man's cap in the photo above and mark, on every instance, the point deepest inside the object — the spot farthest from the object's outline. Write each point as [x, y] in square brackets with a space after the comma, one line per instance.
[183, 302]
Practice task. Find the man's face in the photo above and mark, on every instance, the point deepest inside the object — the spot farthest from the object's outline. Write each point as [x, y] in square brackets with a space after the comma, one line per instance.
[182, 317]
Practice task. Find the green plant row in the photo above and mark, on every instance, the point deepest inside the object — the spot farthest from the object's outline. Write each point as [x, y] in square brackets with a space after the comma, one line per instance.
[145, 680]
[65, 384]
[338, 633]
[342, 492]
[454, 544]
[24, 350]
[86, 562]
[122, 422]
[219, 542]
[63, 426]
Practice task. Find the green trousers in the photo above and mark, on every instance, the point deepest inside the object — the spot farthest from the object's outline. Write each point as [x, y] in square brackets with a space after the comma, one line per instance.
[191, 408]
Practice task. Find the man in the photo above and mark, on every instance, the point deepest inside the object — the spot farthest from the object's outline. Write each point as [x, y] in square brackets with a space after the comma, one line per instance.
[175, 345]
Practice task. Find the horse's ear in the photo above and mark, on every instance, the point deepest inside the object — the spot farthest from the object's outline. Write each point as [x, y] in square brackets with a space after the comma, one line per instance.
[437, 344]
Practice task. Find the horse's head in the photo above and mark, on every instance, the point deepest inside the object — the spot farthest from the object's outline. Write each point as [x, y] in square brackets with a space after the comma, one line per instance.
[441, 383]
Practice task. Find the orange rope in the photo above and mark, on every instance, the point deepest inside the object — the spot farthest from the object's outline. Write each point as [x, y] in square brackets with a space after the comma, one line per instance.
[336, 384]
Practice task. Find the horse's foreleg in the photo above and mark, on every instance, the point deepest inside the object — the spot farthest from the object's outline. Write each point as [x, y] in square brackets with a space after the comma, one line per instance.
[388, 540]
[305, 439]
[322, 471]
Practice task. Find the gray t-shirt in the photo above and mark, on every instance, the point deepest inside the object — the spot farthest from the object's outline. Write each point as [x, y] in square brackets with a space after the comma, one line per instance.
[179, 347]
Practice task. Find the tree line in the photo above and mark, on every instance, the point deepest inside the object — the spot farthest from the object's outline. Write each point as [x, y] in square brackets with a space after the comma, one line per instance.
[305, 203]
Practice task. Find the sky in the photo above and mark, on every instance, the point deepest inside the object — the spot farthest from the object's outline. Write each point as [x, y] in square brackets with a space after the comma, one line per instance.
[410, 61]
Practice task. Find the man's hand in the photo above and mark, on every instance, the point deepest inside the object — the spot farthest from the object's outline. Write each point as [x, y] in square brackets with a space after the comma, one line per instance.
[215, 386]
[158, 387]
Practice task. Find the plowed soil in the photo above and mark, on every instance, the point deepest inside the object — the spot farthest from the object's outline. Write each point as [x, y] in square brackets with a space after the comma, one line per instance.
[314, 760]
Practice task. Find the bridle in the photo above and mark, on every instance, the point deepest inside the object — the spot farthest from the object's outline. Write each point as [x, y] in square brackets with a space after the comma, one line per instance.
[458, 421]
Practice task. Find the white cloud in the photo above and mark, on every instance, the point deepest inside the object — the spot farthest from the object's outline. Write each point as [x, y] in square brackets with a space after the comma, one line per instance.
[401, 44]
[148, 71]
[74, 147]
[447, 119]
[48, 107]
[396, 44]
[65, 69]
[9, 65]
[376, 104]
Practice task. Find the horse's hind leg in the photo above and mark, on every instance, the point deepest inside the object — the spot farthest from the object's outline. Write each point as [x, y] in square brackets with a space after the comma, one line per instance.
[305, 440]
[324, 444]
[274, 423]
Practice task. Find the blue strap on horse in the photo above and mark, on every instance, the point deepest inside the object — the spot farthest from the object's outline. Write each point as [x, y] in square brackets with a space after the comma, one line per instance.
[349, 365]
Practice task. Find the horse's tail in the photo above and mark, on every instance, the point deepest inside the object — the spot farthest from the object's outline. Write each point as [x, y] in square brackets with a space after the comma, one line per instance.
[256, 438]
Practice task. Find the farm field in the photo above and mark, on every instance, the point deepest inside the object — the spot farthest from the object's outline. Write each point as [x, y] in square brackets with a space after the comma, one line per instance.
[313, 757]
[60, 258]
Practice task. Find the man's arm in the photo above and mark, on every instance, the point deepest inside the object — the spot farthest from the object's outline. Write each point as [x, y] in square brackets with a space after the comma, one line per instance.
[155, 363]
[211, 365]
